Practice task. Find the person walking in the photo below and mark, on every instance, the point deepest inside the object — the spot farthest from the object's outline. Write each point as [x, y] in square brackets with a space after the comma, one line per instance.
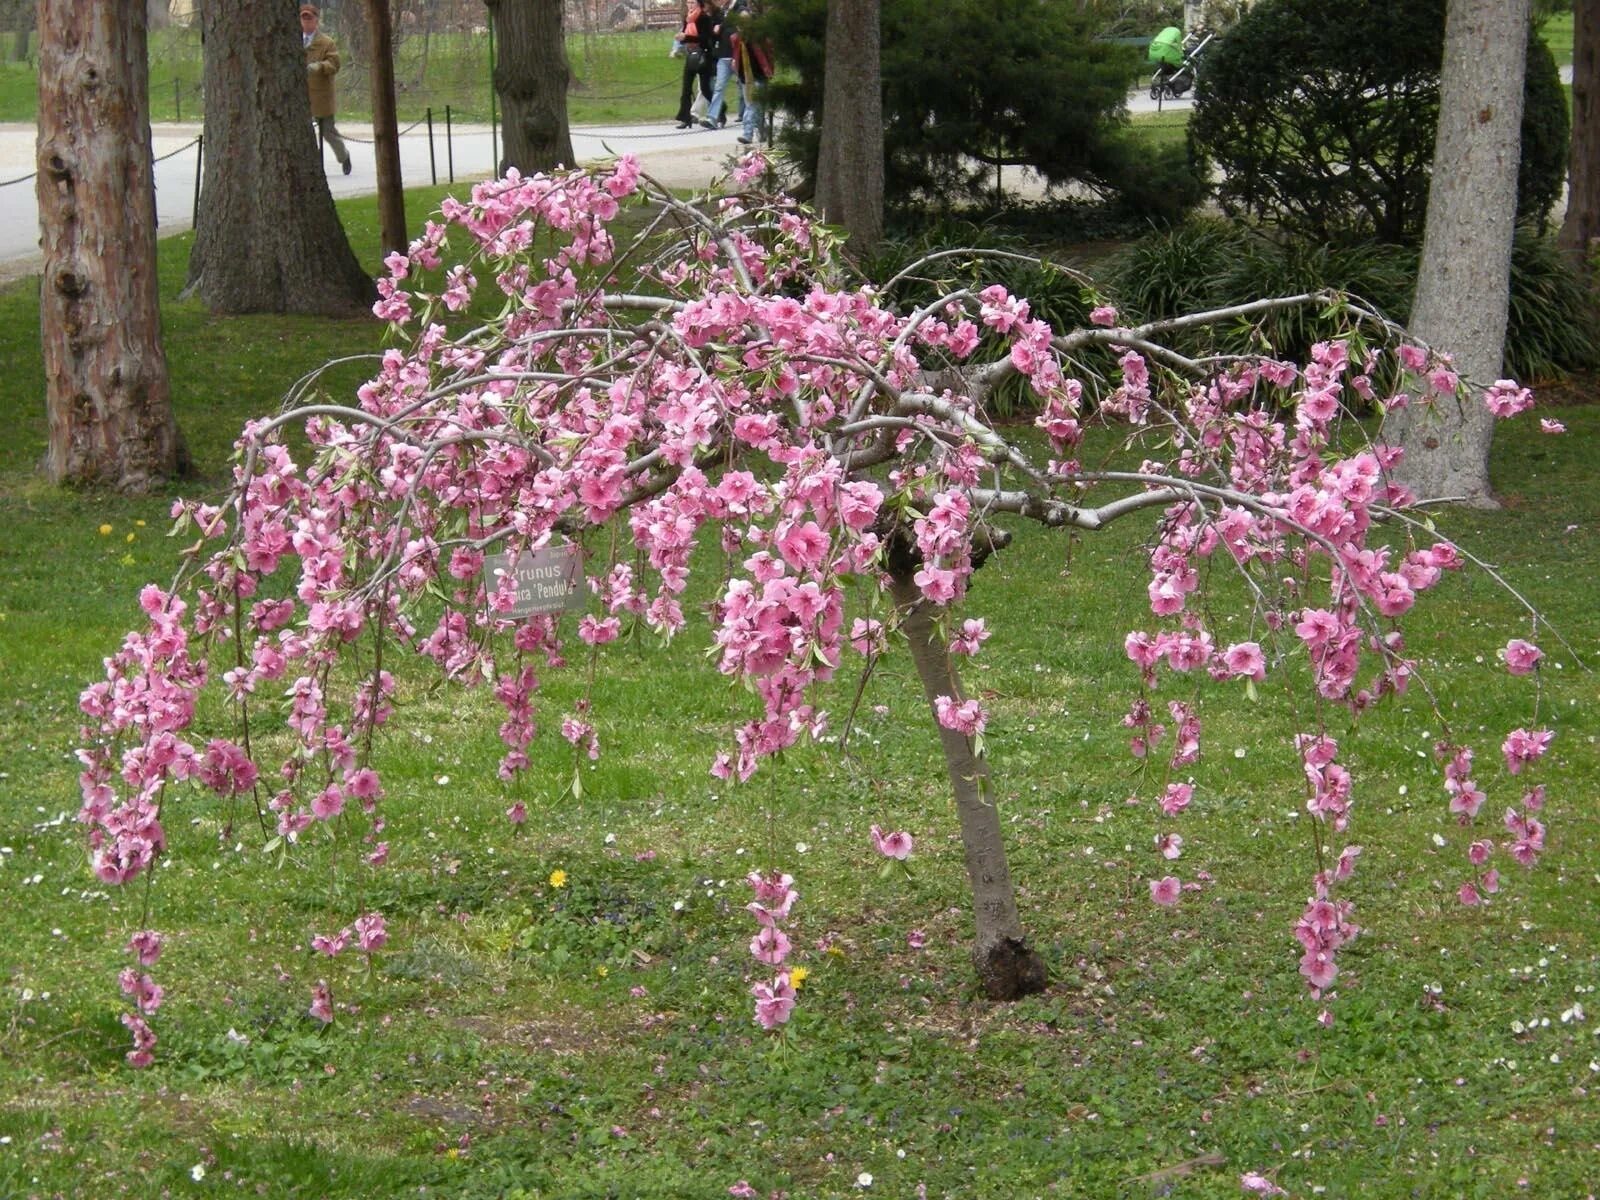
[754, 64]
[717, 115]
[697, 40]
[322, 64]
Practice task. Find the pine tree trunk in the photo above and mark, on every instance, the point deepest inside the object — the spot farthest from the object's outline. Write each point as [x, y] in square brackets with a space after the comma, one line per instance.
[1007, 966]
[1463, 282]
[530, 77]
[268, 238]
[1581, 227]
[106, 393]
[386, 130]
[850, 157]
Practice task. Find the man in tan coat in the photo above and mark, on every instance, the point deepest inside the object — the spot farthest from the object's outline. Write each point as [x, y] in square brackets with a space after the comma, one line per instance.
[322, 64]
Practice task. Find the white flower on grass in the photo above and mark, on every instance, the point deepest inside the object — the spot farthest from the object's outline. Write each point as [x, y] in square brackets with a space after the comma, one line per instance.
[864, 1180]
[197, 1172]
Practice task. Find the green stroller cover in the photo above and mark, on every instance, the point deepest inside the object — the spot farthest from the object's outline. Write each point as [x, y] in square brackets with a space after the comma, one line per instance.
[1167, 47]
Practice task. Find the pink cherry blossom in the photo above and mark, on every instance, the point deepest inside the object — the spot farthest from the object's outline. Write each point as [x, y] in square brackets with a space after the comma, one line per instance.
[1506, 399]
[774, 1002]
[1252, 1181]
[1521, 657]
[321, 1002]
[371, 932]
[966, 717]
[1523, 746]
[1244, 660]
[146, 944]
[895, 845]
[1165, 891]
[770, 945]
[1176, 798]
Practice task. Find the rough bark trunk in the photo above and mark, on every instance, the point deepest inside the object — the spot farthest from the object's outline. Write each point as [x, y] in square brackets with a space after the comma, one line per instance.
[850, 157]
[268, 238]
[386, 130]
[1464, 278]
[106, 393]
[1581, 227]
[530, 77]
[1007, 966]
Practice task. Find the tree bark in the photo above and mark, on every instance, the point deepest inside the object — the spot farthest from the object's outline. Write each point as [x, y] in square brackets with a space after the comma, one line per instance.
[1582, 224]
[850, 156]
[106, 392]
[268, 238]
[1007, 966]
[530, 77]
[1463, 282]
[386, 130]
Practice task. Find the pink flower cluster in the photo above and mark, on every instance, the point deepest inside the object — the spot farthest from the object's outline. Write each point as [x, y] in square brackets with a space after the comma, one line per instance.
[775, 897]
[146, 995]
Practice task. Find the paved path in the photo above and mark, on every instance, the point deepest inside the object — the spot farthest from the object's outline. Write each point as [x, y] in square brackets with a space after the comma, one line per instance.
[686, 159]
[690, 158]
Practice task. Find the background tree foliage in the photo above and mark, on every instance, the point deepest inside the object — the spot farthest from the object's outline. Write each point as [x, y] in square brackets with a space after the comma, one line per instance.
[1322, 117]
[969, 86]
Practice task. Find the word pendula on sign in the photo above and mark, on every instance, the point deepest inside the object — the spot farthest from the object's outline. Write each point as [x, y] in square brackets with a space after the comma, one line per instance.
[547, 580]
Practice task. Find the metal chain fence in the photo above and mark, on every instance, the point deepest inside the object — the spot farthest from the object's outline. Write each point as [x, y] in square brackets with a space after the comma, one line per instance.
[443, 49]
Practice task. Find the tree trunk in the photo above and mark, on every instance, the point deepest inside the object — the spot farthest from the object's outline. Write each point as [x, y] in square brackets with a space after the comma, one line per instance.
[850, 157]
[1007, 966]
[530, 77]
[1582, 224]
[386, 130]
[1464, 278]
[106, 392]
[268, 238]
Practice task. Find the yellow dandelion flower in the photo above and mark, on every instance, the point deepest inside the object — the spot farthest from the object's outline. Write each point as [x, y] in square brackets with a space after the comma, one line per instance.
[798, 977]
[130, 537]
[105, 531]
[140, 524]
[602, 971]
[558, 878]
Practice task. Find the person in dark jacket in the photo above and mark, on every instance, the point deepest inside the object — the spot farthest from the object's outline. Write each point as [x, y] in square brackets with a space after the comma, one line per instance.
[717, 117]
[698, 39]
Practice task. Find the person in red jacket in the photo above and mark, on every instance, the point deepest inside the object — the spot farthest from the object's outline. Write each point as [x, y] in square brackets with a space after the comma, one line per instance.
[699, 67]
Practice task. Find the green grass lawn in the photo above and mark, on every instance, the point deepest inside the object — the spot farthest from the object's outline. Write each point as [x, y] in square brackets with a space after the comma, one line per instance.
[500, 1049]
[617, 77]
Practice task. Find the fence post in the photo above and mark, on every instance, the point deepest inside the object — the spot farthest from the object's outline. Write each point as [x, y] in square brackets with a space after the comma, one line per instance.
[433, 167]
[449, 145]
[177, 98]
[199, 157]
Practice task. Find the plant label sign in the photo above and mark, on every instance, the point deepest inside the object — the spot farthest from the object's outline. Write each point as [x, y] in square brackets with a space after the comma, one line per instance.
[548, 580]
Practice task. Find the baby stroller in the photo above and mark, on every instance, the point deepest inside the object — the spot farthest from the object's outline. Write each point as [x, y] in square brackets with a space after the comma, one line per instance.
[1177, 59]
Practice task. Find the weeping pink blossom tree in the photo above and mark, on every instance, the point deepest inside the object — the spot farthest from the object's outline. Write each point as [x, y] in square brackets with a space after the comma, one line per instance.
[747, 391]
